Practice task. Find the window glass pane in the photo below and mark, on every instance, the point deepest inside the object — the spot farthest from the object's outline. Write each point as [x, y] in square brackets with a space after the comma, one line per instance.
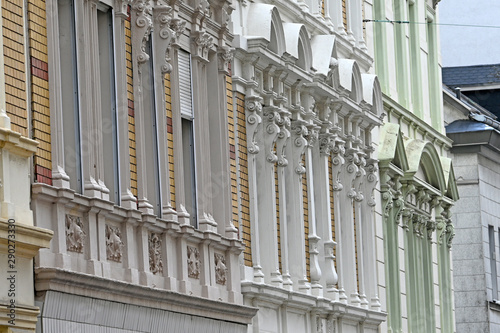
[108, 104]
[69, 93]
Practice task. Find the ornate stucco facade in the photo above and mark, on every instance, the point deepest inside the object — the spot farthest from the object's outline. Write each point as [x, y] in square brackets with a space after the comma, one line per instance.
[417, 181]
[224, 167]
[311, 110]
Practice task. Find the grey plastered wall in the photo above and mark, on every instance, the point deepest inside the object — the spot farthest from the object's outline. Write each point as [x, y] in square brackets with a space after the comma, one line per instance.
[478, 179]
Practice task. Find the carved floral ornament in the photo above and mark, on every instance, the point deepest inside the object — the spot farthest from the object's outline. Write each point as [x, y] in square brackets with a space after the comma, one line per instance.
[220, 269]
[155, 258]
[155, 16]
[193, 262]
[75, 236]
[114, 243]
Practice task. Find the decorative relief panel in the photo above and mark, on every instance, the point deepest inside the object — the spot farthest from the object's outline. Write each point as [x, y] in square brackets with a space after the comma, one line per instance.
[75, 236]
[114, 243]
[220, 269]
[194, 263]
[155, 260]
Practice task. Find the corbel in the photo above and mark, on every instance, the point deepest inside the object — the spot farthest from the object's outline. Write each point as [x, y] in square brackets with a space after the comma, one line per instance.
[253, 107]
[407, 217]
[271, 118]
[371, 169]
[338, 160]
[225, 55]
[299, 135]
[121, 8]
[284, 133]
[360, 176]
[162, 14]
[141, 16]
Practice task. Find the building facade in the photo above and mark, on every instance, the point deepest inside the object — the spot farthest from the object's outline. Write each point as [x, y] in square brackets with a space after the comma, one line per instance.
[223, 166]
[417, 181]
[475, 134]
[305, 132]
[129, 104]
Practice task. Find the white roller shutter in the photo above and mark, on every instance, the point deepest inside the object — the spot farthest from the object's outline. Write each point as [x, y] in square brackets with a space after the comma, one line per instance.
[185, 86]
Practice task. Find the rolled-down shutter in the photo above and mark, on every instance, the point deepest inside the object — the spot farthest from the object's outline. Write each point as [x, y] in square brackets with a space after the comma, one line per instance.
[185, 88]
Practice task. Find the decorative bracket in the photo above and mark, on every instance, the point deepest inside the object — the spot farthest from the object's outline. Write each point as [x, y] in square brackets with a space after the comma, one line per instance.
[371, 170]
[162, 14]
[272, 117]
[284, 134]
[299, 131]
[253, 109]
[141, 15]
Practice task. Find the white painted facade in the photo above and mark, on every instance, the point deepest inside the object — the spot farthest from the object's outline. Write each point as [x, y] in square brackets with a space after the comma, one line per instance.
[417, 183]
[309, 101]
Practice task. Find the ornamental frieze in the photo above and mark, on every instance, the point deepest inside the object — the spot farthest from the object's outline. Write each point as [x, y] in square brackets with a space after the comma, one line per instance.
[220, 269]
[193, 262]
[75, 236]
[155, 257]
[114, 243]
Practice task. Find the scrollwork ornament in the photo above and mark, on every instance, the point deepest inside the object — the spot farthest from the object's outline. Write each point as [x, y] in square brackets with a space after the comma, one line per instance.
[142, 12]
[162, 21]
[326, 144]
[431, 227]
[225, 55]
[387, 203]
[450, 233]
[178, 26]
[253, 108]
[371, 182]
[201, 42]
[407, 218]
[399, 205]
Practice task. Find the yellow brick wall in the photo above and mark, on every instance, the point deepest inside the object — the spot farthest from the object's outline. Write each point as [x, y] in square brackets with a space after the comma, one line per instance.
[332, 207]
[131, 115]
[355, 243]
[39, 84]
[306, 219]
[15, 64]
[170, 139]
[344, 13]
[323, 7]
[243, 177]
[232, 151]
[278, 222]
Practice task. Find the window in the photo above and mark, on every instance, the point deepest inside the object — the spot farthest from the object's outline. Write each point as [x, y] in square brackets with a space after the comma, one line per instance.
[108, 101]
[188, 149]
[69, 94]
[151, 164]
[493, 263]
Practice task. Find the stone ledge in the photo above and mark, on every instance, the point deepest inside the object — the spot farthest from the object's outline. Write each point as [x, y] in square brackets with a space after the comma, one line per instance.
[308, 303]
[51, 279]
[26, 316]
[28, 239]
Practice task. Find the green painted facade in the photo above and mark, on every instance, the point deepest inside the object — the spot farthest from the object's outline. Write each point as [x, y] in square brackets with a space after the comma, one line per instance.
[416, 176]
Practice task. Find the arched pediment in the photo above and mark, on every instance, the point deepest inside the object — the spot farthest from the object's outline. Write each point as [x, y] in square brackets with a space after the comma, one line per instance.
[392, 149]
[423, 154]
[323, 50]
[264, 21]
[298, 45]
[372, 94]
[350, 79]
[449, 177]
